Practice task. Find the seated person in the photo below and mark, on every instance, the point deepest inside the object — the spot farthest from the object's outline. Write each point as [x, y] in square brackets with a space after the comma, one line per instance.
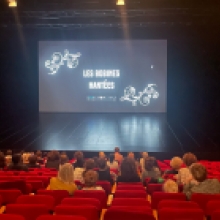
[64, 180]
[40, 159]
[33, 162]
[112, 163]
[53, 160]
[2, 161]
[142, 160]
[175, 163]
[202, 184]
[170, 186]
[118, 155]
[63, 159]
[128, 171]
[79, 157]
[17, 163]
[90, 179]
[104, 171]
[78, 171]
[8, 157]
[184, 173]
[89, 165]
[150, 171]
[102, 154]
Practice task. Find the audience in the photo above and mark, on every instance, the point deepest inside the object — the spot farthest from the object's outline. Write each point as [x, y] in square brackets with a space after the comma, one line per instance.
[128, 171]
[104, 171]
[8, 157]
[63, 159]
[64, 180]
[118, 156]
[102, 155]
[202, 184]
[150, 171]
[78, 170]
[90, 180]
[2, 161]
[184, 173]
[142, 160]
[175, 163]
[170, 186]
[33, 162]
[17, 163]
[112, 163]
[40, 159]
[79, 159]
[53, 160]
[131, 155]
[89, 165]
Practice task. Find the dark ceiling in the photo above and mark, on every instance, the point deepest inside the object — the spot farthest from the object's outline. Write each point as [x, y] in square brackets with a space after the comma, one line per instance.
[105, 13]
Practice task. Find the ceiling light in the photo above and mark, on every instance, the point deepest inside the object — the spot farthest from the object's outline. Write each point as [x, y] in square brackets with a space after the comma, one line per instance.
[120, 2]
[12, 3]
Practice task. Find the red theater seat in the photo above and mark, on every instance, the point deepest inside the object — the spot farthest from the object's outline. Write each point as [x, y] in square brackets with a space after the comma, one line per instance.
[130, 202]
[87, 211]
[10, 196]
[29, 212]
[151, 188]
[11, 217]
[129, 183]
[105, 185]
[215, 215]
[212, 206]
[130, 187]
[159, 196]
[177, 204]
[186, 214]
[130, 194]
[37, 199]
[60, 217]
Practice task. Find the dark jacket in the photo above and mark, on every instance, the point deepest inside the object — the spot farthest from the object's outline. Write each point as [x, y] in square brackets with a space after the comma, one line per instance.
[53, 164]
[18, 167]
[104, 175]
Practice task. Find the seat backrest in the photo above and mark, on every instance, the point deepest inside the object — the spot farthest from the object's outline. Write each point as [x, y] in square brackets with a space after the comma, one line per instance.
[130, 194]
[16, 184]
[29, 212]
[215, 215]
[37, 199]
[89, 212]
[202, 199]
[58, 195]
[159, 196]
[11, 217]
[212, 206]
[82, 202]
[130, 202]
[145, 209]
[105, 185]
[10, 196]
[96, 194]
[177, 204]
[151, 188]
[130, 187]
[186, 214]
[129, 183]
[117, 214]
[60, 217]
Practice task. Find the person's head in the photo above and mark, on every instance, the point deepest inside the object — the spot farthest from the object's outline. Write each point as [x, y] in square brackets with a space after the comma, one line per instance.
[9, 152]
[189, 159]
[78, 155]
[32, 159]
[128, 168]
[63, 153]
[198, 172]
[111, 158]
[80, 163]
[65, 173]
[149, 163]
[53, 156]
[131, 155]
[64, 159]
[39, 154]
[144, 155]
[89, 164]
[16, 158]
[176, 163]
[117, 149]
[90, 178]
[102, 154]
[102, 164]
[170, 186]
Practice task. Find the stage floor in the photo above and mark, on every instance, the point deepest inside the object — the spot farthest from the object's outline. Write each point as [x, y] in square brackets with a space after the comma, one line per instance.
[102, 132]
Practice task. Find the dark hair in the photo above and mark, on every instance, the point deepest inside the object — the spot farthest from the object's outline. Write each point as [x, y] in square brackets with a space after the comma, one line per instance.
[149, 163]
[128, 168]
[111, 158]
[39, 153]
[64, 159]
[9, 152]
[32, 159]
[53, 156]
[95, 161]
[89, 164]
[79, 163]
[199, 172]
[102, 163]
[90, 178]
[189, 159]
[2, 161]
[117, 149]
[16, 158]
[78, 155]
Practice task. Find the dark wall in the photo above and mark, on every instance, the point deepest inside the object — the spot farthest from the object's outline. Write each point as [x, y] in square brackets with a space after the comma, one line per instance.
[193, 69]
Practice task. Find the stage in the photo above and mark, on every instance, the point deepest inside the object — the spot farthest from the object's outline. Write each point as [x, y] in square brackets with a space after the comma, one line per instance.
[92, 133]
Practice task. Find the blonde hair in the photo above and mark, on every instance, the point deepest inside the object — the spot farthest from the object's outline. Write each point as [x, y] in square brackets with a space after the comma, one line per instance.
[176, 163]
[90, 178]
[102, 154]
[131, 155]
[65, 173]
[144, 154]
[170, 186]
